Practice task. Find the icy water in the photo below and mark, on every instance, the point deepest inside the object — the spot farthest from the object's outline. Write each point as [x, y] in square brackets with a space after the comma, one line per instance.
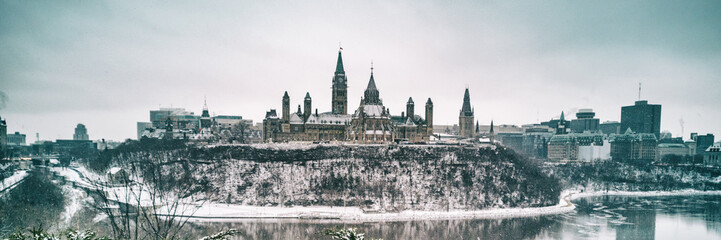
[604, 217]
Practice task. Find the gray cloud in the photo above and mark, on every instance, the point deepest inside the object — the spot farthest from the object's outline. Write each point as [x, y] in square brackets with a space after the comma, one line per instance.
[107, 63]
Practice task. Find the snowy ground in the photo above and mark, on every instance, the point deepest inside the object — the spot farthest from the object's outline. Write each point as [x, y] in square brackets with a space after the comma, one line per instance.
[12, 181]
[216, 212]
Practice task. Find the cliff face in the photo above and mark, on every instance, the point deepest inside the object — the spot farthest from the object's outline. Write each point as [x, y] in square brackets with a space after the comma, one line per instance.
[375, 178]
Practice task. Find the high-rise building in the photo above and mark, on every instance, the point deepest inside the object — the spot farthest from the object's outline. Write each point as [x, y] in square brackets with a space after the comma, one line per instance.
[585, 121]
[702, 142]
[81, 133]
[465, 118]
[642, 118]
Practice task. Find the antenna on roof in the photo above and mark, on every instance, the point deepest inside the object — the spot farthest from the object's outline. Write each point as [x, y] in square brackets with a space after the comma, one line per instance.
[371, 66]
[639, 91]
[339, 46]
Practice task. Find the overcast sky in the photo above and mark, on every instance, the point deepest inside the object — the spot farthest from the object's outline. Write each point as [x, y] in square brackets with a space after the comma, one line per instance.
[106, 64]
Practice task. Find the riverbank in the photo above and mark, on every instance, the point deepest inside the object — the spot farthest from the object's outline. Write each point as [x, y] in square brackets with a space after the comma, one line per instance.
[685, 192]
[216, 212]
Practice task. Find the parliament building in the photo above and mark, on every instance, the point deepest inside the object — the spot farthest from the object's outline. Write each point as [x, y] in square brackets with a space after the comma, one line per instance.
[371, 122]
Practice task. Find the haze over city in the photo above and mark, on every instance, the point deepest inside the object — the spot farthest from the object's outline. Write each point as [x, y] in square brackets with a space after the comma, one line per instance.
[106, 64]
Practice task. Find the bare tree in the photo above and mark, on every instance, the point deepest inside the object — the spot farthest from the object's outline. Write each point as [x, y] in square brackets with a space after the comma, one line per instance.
[145, 199]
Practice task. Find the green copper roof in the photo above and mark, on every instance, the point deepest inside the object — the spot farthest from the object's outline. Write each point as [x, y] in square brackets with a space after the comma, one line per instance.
[466, 102]
[339, 65]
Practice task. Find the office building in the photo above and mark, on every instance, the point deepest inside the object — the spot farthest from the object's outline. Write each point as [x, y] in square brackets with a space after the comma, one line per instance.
[585, 121]
[642, 118]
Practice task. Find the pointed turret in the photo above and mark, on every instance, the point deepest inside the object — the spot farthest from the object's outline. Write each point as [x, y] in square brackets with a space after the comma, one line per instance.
[339, 65]
[286, 107]
[562, 126]
[410, 109]
[429, 117]
[465, 118]
[371, 92]
[466, 108]
[491, 134]
[205, 113]
[306, 106]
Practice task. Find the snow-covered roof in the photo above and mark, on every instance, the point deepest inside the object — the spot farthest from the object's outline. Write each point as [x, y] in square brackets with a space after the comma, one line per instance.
[716, 147]
[373, 110]
[295, 119]
[409, 122]
[329, 118]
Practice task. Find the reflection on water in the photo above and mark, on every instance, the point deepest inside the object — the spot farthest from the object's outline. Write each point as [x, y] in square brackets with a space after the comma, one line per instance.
[605, 217]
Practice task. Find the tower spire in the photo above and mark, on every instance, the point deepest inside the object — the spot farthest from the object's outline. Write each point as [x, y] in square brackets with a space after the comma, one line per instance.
[339, 65]
[371, 93]
[466, 108]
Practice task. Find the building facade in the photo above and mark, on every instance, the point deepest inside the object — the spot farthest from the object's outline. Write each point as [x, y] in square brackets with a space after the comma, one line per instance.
[642, 118]
[16, 139]
[632, 146]
[713, 155]
[585, 121]
[371, 122]
[702, 142]
[569, 146]
[465, 118]
[666, 150]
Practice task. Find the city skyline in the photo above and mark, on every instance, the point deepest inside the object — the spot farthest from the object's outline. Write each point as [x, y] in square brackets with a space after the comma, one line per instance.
[106, 64]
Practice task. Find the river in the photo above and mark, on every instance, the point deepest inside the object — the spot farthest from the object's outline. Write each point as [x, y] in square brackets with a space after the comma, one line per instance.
[600, 217]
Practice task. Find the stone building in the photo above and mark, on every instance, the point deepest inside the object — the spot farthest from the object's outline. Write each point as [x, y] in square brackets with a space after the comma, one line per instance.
[465, 118]
[671, 149]
[632, 146]
[713, 155]
[371, 122]
[566, 146]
